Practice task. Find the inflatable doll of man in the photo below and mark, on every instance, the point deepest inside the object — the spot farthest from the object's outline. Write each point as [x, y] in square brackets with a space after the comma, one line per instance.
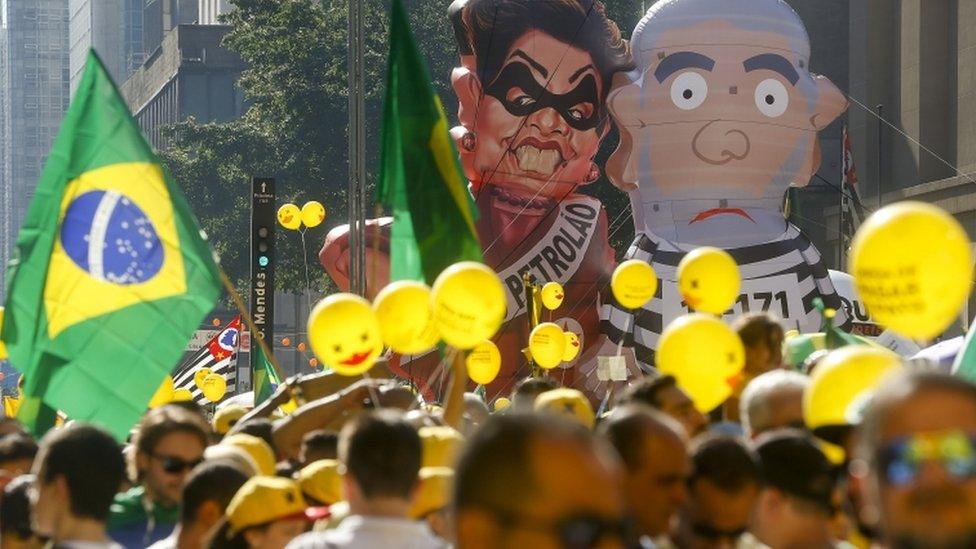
[532, 86]
[719, 117]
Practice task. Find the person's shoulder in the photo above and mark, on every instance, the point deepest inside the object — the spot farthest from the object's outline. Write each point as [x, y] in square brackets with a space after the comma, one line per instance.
[126, 508]
[315, 540]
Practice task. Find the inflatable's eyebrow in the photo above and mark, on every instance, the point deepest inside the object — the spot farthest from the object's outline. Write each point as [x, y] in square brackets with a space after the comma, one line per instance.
[682, 60]
[772, 62]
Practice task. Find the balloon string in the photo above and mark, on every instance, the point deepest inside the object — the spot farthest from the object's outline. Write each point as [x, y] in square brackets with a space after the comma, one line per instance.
[372, 391]
[308, 282]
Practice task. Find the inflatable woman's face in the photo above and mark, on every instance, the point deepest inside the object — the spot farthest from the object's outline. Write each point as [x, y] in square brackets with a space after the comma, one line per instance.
[718, 111]
[537, 124]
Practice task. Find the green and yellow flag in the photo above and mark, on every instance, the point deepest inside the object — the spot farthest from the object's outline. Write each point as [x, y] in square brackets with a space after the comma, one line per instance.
[420, 177]
[111, 274]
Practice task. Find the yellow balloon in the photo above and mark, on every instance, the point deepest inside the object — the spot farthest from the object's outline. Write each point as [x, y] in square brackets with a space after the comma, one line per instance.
[344, 334]
[573, 347]
[708, 279]
[468, 304]
[403, 311]
[552, 295]
[841, 385]
[913, 268]
[703, 354]
[199, 376]
[484, 362]
[164, 394]
[3, 348]
[313, 213]
[182, 395]
[501, 403]
[290, 217]
[547, 343]
[633, 283]
[214, 387]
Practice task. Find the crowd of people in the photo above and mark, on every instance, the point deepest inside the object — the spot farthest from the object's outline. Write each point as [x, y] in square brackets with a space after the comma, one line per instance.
[368, 465]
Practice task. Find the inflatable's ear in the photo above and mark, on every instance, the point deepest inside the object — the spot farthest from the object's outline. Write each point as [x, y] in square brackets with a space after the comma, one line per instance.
[468, 89]
[623, 101]
[831, 102]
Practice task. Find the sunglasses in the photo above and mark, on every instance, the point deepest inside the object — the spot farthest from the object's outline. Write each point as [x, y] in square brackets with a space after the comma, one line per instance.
[174, 465]
[902, 461]
[580, 531]
[710, 533]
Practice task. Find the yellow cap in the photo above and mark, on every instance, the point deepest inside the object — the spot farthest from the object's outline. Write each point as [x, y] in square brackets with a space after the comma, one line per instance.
[320, 480]
[226, 417]
[568, 403]
[434, 492]
[260, 452]
[266, 499]
[441, 445]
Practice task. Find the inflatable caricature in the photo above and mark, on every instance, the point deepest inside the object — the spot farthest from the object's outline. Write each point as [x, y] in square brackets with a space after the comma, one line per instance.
[532, 85]
[719, 117]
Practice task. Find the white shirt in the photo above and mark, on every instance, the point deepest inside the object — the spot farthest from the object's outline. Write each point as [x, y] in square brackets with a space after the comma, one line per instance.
[361, 532]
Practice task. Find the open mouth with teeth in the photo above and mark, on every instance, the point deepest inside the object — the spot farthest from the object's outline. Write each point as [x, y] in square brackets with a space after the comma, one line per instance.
[538, 157]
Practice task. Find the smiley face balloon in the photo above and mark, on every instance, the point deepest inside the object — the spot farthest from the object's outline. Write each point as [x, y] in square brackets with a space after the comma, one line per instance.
[552, 295]
[344, 334]
[290, 217]
[708, 279]
[313, 213]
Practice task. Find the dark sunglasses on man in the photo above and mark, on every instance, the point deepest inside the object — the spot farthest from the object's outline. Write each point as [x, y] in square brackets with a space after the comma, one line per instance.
[174, 465]
[577, 531]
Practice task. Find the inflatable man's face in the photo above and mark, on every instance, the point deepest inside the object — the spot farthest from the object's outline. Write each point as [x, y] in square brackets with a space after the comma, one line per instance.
[722, 104]
[531, 89]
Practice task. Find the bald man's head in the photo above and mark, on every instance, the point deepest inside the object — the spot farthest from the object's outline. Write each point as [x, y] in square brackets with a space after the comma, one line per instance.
[652, 446]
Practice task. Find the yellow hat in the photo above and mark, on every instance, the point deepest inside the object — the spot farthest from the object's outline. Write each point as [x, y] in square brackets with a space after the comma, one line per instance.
[266, 499]
[441, 445]
[434, 492]
[260, 452]
[568, 403]
[320, 480]
[226, 417]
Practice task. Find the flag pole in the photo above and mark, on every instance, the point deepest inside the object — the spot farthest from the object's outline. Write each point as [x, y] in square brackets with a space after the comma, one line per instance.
[843, 186]
[239, 303]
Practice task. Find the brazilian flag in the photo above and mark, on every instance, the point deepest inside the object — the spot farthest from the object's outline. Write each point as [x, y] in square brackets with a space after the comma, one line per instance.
[111, 274]
[420, 177]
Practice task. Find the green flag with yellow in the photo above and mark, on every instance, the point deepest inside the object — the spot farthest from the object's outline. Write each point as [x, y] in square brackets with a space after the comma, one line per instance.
[111, 274]
[420, 176]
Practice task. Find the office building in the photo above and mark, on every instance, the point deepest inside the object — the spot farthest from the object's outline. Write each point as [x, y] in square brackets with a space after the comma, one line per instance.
[113, 28]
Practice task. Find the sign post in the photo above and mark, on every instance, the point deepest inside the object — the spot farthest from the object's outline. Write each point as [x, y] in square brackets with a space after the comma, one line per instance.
[262, 271]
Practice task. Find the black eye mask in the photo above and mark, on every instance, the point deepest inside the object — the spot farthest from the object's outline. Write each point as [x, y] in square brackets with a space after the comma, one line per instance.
[517, 75]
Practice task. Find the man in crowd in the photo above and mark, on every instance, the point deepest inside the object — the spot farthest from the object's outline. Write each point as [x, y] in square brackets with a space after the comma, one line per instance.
[168, 442]
[381, 454]
[771, 401]
[79, 469]
[662, 393]
[318, 445]
[206, 495]
[537, 482]
[762, 337]
[17, 451]
[15, 519]
[722, 490]
[917, 457]
[525, 391]
[795, 503]
[656, 467]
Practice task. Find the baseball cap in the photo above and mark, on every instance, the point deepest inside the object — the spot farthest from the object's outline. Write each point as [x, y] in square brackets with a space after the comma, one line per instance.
[440, 445]
[568, 403]
[264, 499]
[792, 462]
[226, 417]
[434, 492]
[260, 452]
[321, 481]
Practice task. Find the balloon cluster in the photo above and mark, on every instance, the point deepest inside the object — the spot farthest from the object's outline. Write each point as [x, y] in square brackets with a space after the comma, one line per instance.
[464, 309]
[291, 217]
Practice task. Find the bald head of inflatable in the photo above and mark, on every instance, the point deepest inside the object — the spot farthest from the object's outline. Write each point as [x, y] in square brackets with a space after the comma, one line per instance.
[721, 104]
